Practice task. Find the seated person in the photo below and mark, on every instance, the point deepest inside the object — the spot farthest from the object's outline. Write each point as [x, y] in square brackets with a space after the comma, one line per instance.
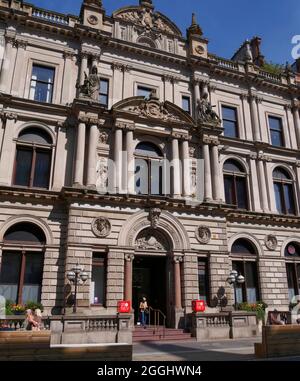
[275, 318]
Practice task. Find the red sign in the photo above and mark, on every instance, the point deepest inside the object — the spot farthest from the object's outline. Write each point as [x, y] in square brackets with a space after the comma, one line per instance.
[124, 306]
[198, 305]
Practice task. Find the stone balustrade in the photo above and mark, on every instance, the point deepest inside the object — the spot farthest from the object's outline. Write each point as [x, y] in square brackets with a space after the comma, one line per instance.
[224, 325]
[50, 16]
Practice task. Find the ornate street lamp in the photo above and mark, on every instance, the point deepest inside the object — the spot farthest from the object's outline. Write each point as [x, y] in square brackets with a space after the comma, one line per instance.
[234, 280]
[77, 274]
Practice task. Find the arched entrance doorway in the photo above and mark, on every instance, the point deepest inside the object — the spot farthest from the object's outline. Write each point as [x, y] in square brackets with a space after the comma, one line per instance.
[151, 272]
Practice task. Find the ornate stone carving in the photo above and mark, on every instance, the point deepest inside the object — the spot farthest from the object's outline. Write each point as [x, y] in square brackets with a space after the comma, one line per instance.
[203, 234]
[102, 175]
[146, 18]
[271, 242]
[101, 227]
[154, 217]
[150, 239]
[93, 20]
[91, 86]
[192, 152]
[205, 112]
[152, 108]
[129, 257]
[178, 258]
[103, 137]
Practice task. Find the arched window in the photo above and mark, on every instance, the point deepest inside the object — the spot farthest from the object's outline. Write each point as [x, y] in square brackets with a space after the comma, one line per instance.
[242, 250]
[148, 169]
[22, 263]
[284, 193]
[235, 183]
[292, 256]
[33, 158]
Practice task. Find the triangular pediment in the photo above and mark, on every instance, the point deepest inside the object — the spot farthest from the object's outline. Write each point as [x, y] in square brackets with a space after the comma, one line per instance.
[153, 109]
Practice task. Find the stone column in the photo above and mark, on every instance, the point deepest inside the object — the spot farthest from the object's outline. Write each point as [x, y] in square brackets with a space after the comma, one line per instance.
[254, 117]
[186, 168]
[196, 96]
[295, 110]
[19, 75]
[168, 88]
[8, 148]
[95, 60]
[176, 167]
[117, 89]
[177, 281]
[262, 181]
[128, 277]
[79, 159]
[83, 67]
[207, 172]
[92, 156]
[130, 159]
[8, 64]
[217, 183]
[118, 158]
[67, 88]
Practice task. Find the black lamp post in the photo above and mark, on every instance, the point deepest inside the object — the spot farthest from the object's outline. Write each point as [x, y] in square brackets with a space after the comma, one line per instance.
[74, 276]
[235, 279]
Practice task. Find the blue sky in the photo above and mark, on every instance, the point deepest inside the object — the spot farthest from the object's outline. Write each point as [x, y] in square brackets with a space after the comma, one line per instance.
[226, 23]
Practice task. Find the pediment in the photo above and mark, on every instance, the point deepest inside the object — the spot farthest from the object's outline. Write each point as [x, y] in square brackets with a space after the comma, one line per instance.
[147, 18]
[153, 109]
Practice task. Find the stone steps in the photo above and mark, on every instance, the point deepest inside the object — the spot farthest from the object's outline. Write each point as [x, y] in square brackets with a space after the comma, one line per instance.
[150, 334]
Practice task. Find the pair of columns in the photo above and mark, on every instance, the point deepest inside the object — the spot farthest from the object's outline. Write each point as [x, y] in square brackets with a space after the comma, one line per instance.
[91, 155]
[212, 175]
[181, 166]
[124, 172]
[177, 259]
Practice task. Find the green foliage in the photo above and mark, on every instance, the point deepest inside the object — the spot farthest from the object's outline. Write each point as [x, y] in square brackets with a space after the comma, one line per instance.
[34, 305]
[258, 307]
[273, 68]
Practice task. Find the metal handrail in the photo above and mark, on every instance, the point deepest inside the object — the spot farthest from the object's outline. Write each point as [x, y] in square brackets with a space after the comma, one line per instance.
[157, 314]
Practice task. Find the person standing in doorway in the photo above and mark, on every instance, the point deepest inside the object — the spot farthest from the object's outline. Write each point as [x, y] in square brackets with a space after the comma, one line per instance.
[144, 311]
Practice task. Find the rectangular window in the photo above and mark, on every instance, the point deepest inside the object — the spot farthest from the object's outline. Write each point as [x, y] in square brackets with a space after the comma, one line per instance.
[103, 95]
[230, 123]
[247, 291]
[98, 281]
[42, 82]
[23, 167]
[33, 277]
[292, 280]
[276, 131]
[186, 104]
[143, 91]
[203, 280]
[229, 190]
[10, 275]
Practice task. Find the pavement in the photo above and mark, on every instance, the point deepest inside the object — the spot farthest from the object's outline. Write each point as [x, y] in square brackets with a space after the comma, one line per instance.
[216, 350]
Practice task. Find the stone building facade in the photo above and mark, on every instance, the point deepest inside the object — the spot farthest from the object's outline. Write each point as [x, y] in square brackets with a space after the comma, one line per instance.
[60, 146]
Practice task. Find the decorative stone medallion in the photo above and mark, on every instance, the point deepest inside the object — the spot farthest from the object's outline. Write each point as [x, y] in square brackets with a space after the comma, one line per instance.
[93, 20]
[271, 242]
[199, 49]
[101, 227]
[203, 234]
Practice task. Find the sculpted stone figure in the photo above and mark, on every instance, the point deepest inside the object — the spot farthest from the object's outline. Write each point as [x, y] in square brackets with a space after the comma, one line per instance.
[91, 85]
[205, 110]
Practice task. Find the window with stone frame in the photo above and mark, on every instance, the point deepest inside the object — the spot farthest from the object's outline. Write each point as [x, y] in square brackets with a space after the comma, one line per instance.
[243, 255]
[104, 92]
[292, 256]
[144, 91]
[230, 121]
[203, 279]
[98, 280]
[33, 158]
[42, 83]
[276, 131]
[284, 191]
[186, 103]
[21, 270]
[235, 184]
[149, 163]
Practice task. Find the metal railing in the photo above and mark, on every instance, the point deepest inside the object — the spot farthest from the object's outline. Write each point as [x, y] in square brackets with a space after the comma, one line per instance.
[158, 316]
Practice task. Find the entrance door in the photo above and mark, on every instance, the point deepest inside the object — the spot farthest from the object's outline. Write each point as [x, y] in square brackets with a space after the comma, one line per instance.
[149, 280]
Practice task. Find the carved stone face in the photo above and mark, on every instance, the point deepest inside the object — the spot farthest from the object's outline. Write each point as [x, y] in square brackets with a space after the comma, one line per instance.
[101, 227]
